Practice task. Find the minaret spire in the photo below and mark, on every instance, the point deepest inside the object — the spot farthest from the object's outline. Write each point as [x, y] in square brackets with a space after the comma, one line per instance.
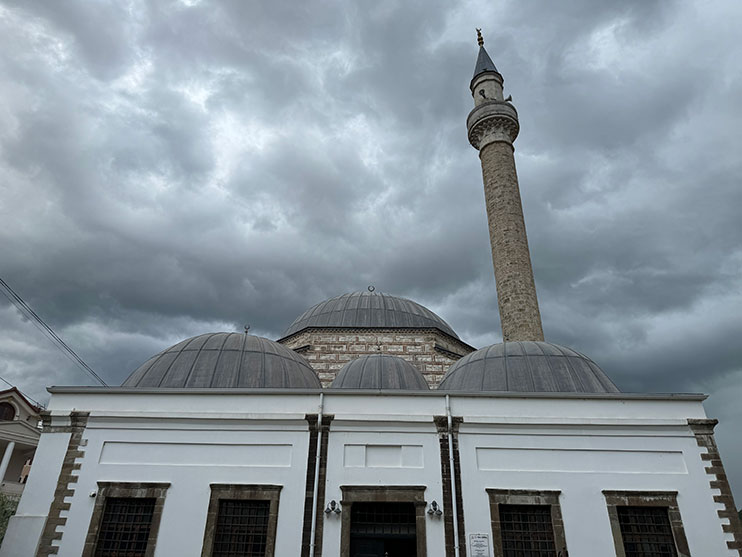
[493, 126]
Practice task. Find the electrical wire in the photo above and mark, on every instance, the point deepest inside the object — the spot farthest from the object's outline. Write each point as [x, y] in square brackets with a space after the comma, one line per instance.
[25, 309]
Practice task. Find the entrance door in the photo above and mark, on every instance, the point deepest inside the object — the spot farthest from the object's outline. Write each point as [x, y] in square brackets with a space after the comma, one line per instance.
[383, 530]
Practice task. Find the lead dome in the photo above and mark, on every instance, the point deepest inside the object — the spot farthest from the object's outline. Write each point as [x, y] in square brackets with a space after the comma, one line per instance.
[527, 366]
[228, 361]
[369, 310]
[379, 371]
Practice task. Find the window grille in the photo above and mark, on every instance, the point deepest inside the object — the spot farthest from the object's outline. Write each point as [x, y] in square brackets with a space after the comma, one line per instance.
[241, 528]
[125, 527]
[527, 531]
[646, 532]
[382, 519]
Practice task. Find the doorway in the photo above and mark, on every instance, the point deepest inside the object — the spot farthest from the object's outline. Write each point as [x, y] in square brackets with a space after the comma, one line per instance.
[383, 530]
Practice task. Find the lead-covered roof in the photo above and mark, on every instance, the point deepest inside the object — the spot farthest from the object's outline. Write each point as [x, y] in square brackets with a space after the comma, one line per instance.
[369, 310]
[529, 366]
[226, 360]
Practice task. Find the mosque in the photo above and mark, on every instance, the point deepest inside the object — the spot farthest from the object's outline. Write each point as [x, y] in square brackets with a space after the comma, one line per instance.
[370, 429]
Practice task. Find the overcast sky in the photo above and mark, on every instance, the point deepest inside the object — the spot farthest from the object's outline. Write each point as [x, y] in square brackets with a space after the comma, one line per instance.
[175, 168]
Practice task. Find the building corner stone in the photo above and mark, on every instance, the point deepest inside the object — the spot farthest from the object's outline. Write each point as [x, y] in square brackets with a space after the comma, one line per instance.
[703, 429]
[66, 480]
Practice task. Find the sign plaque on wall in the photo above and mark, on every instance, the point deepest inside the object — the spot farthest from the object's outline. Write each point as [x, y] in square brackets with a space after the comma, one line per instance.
[479, 545]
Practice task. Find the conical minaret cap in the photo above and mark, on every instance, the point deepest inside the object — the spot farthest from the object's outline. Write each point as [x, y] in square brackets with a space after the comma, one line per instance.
[484, 62]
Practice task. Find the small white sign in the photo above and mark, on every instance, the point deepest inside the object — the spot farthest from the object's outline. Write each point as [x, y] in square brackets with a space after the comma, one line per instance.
[479, 545]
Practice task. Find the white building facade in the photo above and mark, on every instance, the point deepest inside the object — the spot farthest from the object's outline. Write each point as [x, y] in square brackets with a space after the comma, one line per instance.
[575, 454]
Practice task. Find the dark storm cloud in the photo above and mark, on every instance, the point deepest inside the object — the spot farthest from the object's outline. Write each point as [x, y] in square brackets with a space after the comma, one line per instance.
[171, 168]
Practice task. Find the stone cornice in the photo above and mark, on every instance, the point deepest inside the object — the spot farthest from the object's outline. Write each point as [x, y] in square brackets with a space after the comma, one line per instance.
[376, 330]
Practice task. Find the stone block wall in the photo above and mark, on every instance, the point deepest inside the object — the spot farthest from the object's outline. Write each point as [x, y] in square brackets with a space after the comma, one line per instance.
[516, 291]
[328, 350]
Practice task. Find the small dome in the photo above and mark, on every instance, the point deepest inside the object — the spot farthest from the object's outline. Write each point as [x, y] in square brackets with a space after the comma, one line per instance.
[226, 361]
[369, 310]
[379, 371]
[532, 367]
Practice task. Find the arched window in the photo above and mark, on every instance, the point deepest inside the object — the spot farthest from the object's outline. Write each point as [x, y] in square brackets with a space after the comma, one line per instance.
[7, 412]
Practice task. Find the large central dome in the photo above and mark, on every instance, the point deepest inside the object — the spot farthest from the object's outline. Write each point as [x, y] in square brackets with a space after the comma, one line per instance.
[369, 310]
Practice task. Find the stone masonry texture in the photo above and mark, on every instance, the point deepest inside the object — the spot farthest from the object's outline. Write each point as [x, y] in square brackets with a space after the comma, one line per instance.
[328, 350]
[703, 429]
[66, 481]
[441, 423]
[516, 290]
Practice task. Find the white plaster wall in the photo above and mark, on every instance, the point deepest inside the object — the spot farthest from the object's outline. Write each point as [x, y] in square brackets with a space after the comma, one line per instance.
[578, 446]
[191, 455]
[581, 462]
[375, 453]
[24, 529]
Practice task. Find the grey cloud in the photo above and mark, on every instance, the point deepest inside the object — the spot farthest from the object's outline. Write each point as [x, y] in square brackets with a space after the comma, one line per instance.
[168, 170]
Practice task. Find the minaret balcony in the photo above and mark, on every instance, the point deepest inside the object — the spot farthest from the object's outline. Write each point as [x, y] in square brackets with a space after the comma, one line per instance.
[492, 121]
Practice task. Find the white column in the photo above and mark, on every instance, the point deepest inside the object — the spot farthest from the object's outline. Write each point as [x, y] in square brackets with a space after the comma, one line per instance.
[6, 459]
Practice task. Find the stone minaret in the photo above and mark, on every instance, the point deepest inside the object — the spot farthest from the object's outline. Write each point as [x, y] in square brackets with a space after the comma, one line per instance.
[493, 126]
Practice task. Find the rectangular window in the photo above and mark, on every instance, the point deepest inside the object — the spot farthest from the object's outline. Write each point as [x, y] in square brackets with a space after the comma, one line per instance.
[241, 528]
[526, 523]
[526, 531]
[125, 520]
[125, 527]
[646, 523]
[646, 532]
[241, 520]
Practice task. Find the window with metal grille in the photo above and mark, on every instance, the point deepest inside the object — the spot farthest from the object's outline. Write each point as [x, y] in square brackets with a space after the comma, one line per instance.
[241, 528]
[527, 531]
[124, 529]
[646, 532]
[382, 519]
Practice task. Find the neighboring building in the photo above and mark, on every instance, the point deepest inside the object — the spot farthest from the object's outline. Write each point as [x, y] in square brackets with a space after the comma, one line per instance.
[19, 436]
[226, 444]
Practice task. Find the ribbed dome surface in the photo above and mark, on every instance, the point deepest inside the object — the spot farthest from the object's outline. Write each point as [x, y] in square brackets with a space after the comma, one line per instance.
[226, 360]
[533, 367]
[372, 310]
[379, 371]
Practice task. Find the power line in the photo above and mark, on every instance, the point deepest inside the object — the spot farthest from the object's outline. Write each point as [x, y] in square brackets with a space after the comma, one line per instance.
[17, 301]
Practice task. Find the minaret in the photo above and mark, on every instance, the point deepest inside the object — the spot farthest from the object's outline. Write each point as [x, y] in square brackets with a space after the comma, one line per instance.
[493, 126]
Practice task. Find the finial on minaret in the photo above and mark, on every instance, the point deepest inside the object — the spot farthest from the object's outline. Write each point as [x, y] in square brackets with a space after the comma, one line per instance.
[480, 39]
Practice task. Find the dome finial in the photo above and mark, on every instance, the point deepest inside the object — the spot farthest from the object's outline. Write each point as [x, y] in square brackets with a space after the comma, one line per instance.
[480, 39]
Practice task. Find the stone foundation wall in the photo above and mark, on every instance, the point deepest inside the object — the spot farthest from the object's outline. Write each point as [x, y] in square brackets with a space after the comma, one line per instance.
[327, 350]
